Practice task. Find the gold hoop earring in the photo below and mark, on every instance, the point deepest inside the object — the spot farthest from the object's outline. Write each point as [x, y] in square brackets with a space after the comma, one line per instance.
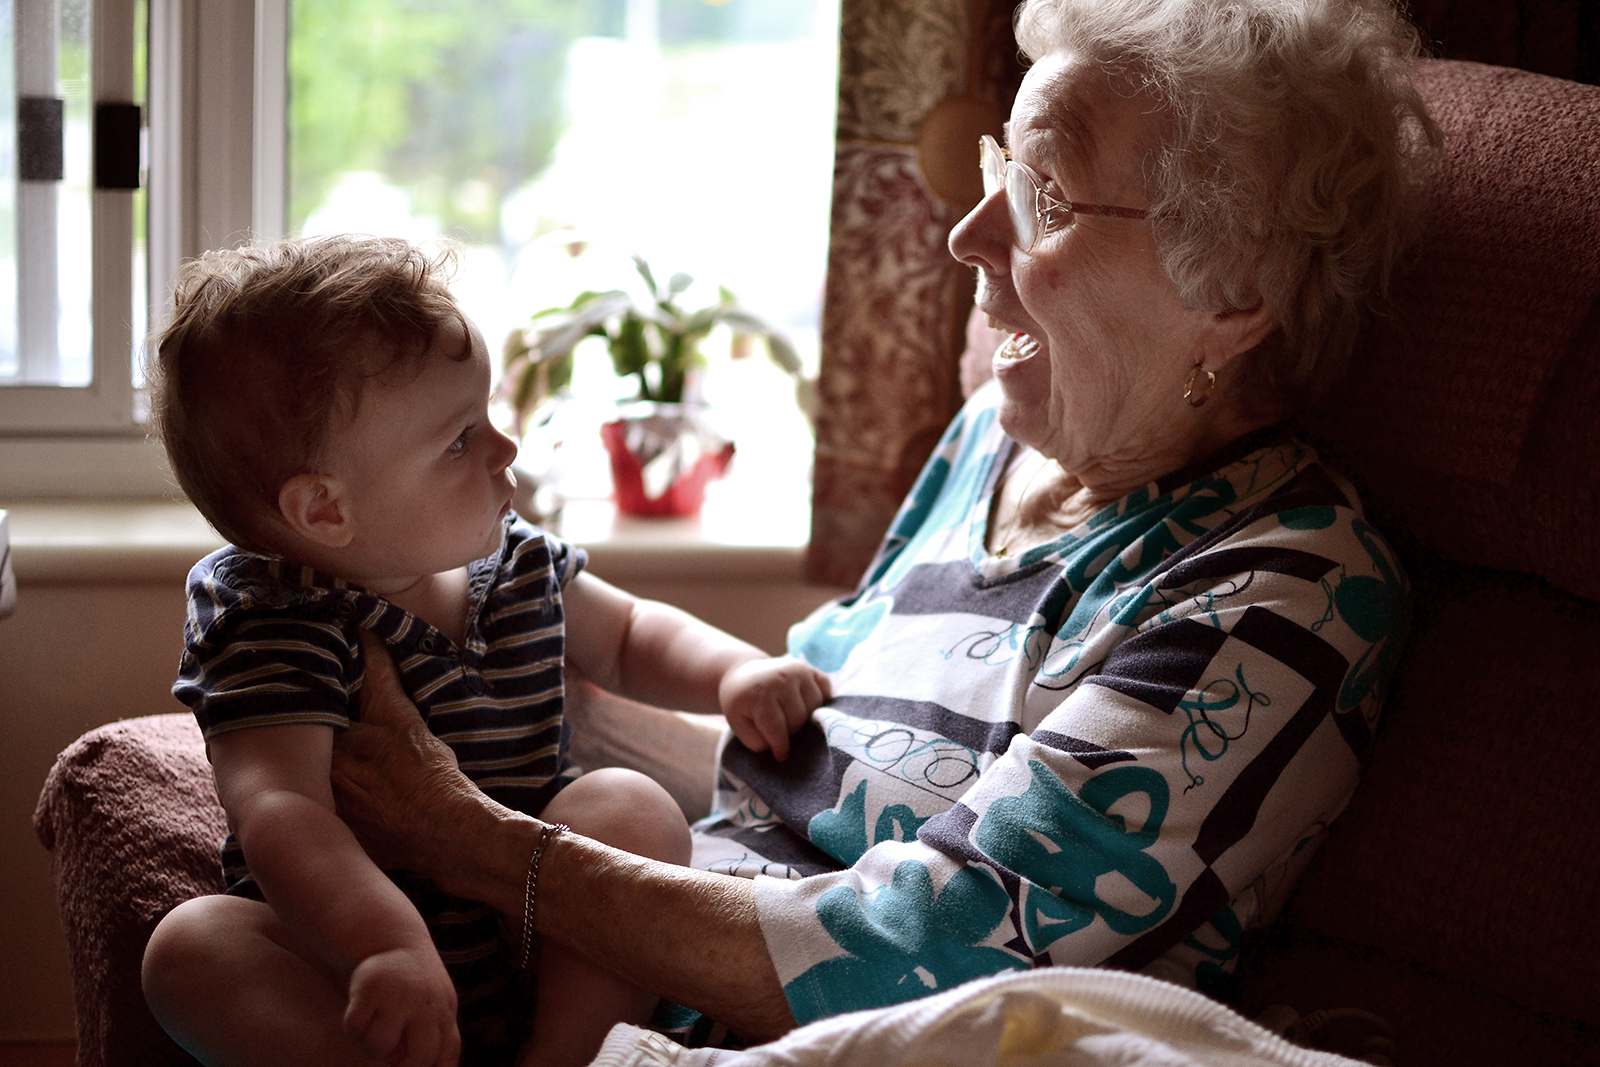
[1191, 396]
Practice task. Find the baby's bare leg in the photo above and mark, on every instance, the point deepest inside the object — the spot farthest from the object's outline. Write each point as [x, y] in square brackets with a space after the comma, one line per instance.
[226, 978]
[579, 1000]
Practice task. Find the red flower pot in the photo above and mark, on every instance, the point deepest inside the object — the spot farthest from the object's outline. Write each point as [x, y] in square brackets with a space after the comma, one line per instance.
[662, 458]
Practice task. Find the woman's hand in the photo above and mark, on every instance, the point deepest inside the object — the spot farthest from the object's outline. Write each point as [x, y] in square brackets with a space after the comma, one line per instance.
[396, 785]
[688, 935]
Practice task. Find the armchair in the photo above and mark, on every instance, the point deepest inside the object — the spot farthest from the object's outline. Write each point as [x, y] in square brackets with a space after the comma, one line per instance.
[1455, 897]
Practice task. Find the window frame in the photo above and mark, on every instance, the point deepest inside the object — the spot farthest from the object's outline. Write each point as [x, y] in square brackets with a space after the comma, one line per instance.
[210, 61]
[215, 176]
[106, 404]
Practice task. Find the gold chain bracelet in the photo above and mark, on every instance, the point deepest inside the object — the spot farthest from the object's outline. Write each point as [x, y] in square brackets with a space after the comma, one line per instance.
[545, 837]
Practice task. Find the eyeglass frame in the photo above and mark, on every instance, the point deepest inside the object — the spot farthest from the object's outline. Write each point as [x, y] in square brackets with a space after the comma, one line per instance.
[1047, 209]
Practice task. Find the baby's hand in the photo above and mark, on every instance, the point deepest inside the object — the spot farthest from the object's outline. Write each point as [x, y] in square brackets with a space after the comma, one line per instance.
[766, 700]
[402, 1009]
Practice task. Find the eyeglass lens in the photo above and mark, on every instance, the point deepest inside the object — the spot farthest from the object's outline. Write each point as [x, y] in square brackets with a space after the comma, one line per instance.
[1021, 194]
[993, 164]
[1022, 198]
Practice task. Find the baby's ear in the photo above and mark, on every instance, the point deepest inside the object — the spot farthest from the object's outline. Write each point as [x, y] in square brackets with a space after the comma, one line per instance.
[315, 508]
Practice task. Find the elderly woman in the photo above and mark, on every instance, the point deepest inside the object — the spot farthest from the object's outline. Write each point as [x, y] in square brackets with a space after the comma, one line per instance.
[1117, 664]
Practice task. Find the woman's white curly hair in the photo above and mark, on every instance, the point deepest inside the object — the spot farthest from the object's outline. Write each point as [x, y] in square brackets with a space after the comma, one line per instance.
[1292, 162]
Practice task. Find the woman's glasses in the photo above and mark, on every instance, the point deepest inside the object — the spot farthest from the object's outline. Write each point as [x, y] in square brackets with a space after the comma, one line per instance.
[1034, 212]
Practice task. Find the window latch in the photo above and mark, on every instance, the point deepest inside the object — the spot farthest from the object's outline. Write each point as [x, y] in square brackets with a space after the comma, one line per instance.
[39, 136]
[116, 145]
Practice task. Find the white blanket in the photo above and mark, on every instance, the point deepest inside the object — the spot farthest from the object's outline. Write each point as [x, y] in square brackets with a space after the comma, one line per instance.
[1047, 1017]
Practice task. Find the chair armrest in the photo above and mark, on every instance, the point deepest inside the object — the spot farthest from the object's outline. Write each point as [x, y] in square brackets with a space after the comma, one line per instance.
[130, 815]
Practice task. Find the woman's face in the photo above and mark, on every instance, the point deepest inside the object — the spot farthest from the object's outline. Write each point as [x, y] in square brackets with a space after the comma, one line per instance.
[1106, 342]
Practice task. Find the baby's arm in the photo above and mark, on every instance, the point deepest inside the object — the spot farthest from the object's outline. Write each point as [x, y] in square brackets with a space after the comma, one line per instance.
[653, 652]
[273, 782]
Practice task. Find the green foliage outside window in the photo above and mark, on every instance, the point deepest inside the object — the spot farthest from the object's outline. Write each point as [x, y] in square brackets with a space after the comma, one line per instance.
[460, 103]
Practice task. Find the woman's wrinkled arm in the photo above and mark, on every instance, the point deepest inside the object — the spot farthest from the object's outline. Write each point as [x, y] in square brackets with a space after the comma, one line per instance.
[690, 936]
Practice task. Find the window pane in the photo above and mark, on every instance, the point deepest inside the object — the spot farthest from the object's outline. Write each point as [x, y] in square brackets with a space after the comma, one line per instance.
[44, 313]
[697, 134]
[8, 193]
[140, 310]
[46, 190]
[74, 266]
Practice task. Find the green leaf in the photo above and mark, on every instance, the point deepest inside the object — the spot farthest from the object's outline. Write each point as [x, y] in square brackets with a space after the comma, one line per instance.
[747, 321]
[561, 372]
[657, 341]
[560, 342]
[778, 347]
[702, 321]
[516, 348]
[629, 349]
[783, 353]
[589, 305]
[643, 268]
[525, 397]
[805, 397]
[672, 363]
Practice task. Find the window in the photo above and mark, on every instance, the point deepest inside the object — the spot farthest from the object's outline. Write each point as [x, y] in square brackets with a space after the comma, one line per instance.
[235, 145]
[69, 201]
[69, 168]
[62, 437]
[696, 133]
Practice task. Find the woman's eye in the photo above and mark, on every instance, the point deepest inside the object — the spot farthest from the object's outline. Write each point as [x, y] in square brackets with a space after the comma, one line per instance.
[459, 445]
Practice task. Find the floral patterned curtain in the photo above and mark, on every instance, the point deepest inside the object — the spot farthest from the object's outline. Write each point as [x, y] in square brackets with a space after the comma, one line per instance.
[919, 81]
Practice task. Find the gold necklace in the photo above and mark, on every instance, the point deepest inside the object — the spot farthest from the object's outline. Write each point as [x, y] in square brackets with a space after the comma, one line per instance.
[1004, 551]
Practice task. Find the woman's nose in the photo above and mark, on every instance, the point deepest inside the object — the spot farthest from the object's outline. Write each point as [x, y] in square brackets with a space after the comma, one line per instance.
[983, 237]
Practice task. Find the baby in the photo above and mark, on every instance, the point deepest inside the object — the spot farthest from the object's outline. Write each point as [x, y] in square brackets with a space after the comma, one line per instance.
[324, 403]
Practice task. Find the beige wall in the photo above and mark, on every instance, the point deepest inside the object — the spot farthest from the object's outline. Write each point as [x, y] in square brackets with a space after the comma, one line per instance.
[71, 658]
[76, 656]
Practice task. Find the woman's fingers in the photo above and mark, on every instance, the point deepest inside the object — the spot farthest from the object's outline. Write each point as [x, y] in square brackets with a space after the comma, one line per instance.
[384, 761]
[383, 699]
[397, 786]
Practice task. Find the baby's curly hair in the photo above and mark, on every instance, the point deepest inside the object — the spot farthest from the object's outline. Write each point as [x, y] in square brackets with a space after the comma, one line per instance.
[269, 344]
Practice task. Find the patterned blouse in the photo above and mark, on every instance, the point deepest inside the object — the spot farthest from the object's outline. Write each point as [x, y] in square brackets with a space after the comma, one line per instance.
[1116, 748]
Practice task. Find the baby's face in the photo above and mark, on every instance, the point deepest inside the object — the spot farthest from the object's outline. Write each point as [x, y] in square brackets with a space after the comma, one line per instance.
[427, 475]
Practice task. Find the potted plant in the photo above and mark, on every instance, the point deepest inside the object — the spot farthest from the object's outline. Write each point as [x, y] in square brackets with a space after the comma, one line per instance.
[663, 451]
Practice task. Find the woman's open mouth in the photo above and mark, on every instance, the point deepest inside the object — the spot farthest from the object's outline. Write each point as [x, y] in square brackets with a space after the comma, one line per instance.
[1016, 348]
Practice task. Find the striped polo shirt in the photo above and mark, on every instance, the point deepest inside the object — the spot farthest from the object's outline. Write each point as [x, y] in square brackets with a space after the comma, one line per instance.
[270, 642]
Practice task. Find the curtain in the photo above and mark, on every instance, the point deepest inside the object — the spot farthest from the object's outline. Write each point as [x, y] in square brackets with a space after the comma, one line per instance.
[919, 81]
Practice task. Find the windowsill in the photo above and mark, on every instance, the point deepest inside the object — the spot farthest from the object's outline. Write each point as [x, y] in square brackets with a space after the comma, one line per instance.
[742, 534]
